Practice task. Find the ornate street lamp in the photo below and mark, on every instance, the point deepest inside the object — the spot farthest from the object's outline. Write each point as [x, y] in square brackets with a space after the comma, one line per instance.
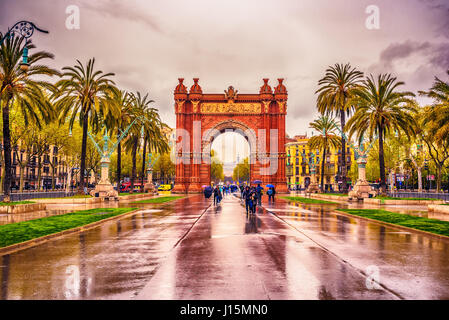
[24, 29]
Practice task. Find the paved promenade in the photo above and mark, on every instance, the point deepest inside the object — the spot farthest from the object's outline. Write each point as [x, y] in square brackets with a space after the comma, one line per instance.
[190, 249]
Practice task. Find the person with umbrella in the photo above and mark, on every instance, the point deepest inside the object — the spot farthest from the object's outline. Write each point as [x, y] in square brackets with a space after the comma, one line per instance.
[207, 191]
[259, 191]
[271, 192]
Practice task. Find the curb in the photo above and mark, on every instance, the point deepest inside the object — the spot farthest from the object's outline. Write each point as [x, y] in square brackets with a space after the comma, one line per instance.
[37, 241]
[426, 233]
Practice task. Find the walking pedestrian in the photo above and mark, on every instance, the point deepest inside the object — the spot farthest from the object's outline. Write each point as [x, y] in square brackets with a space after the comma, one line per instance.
[246, 197]
[259, 191]
[216, 193]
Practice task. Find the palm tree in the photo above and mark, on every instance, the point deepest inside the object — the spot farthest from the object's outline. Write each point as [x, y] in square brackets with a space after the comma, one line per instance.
[84, 93]
[439, 111]
[141, 109]
[117, 123]
[380, 109]
[154, 137]
[22, 87]
[326, 140]
[334, 94]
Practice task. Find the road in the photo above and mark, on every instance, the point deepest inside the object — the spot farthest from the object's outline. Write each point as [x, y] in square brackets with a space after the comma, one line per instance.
[190, 249]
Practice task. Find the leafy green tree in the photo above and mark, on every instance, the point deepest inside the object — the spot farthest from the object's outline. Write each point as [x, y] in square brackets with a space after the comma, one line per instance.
[327, 139]
[241, 170]
[117, 123]
[216, 168]
[164, 168]
[380, 109]
[334, 96]
[26, 88]
[438, 113]
[84, 93]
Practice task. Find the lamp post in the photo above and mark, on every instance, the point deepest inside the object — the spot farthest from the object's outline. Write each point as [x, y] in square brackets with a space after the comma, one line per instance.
[25, 29]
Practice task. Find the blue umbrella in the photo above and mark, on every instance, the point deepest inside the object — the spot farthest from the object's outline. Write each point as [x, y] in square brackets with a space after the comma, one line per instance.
[269, 186]
[257, 181]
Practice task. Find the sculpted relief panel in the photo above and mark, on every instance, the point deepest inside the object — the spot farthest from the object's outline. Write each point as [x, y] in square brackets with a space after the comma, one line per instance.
[208, 107]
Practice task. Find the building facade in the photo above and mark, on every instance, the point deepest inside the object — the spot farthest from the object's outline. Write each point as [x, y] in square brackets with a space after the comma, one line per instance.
[298, 171]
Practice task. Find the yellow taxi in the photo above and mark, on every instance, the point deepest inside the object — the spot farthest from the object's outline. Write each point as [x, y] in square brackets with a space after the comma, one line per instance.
[164, 187]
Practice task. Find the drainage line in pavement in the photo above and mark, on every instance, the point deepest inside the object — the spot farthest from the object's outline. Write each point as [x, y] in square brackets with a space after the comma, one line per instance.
[335, 255]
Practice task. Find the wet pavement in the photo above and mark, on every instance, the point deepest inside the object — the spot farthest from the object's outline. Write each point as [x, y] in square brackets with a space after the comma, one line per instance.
[189, 249]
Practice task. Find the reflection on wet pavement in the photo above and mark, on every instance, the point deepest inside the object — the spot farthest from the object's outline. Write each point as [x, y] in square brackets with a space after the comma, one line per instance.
[180, 250]
[112, 261]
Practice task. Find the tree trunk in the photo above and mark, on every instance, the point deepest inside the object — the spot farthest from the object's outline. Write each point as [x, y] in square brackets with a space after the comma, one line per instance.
[83, 153]
[39, 173]
[7, 152]
[322, 170]
[419, 179]
[438, 178]
[2, 178]
[69, 180]
[53, 167]
[383, 185]
[343, 153]
[134, 158]
[143, 163]
[21, 168]
[119, 164]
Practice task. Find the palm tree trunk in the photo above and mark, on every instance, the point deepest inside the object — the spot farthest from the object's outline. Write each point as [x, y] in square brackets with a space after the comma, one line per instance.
[53, 169]
[322, 170]
[383, 185]
[39, 173]
[83, 153]
[119, 164]
[7, 152]
[143, 163]
[343, 153]
[134, 158]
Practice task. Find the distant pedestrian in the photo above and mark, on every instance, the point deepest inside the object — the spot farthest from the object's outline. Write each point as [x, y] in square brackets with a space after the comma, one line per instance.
[246, 197]
[271, 192]
[259, 192]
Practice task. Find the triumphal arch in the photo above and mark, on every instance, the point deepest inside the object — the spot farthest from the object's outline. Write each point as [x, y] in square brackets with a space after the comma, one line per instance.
[201, 117]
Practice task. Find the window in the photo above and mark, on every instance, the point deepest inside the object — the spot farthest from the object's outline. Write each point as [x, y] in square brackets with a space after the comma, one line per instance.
[304, 170]
[297, 161]
[297, 180]
[297, 171]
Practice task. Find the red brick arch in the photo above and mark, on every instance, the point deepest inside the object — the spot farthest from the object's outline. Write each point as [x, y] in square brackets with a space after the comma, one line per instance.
[201, 117]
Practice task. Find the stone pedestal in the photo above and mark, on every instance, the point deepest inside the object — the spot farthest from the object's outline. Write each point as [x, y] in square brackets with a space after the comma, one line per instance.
[362, 189]
[149, 186]
[104, 188]
[313, 186]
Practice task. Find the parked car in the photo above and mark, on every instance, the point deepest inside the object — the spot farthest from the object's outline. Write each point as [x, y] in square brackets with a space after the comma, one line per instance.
[126, 187]
[164, 187]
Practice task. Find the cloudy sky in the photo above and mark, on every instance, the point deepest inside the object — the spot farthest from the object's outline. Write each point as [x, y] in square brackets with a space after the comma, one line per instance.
[149, 44]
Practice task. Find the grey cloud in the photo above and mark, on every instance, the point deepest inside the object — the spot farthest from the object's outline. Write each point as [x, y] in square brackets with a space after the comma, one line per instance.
[122, 10]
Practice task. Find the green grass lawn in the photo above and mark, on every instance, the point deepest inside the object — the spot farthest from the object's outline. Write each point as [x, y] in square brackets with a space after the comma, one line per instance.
[307, 200]
[13, 203]
[335, 194]
[27, 230]
[393, 198]
[76, 196]
[419, 223]
[131, 194]
[159, 199]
